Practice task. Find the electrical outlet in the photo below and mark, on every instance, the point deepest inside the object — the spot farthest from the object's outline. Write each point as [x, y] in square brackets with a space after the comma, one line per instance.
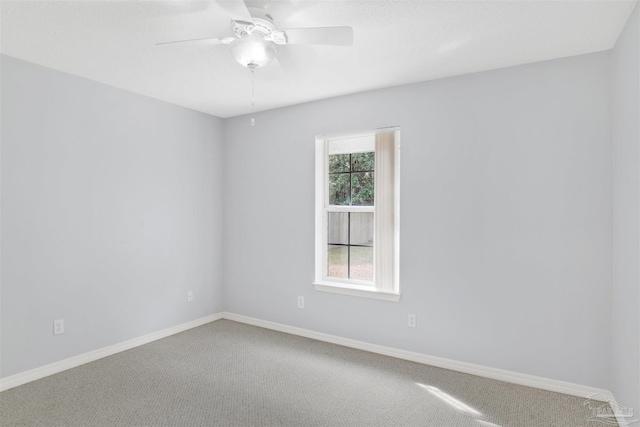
[411, 321]
[58, 327]
[189, 296]
[300, 302]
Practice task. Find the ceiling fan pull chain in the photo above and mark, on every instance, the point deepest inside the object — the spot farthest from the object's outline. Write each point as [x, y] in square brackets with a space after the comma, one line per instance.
[253, 86]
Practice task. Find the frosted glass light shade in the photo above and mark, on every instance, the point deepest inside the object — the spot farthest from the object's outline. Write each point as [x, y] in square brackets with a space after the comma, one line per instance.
[253, 51]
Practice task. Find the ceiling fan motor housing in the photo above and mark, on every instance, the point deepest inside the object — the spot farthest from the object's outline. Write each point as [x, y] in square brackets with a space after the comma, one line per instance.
[262, 23]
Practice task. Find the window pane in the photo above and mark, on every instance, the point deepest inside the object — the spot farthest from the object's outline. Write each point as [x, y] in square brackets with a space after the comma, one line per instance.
[362, 189]
[337, 259]
[338, 228]
[363, 162]
[361, 263]
[361, 228]
[338, 163]
[339, 189]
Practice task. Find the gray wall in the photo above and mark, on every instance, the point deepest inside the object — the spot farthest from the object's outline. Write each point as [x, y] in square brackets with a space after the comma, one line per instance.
[625, 364]
[112, 209]
[505, 218]
[110, 214]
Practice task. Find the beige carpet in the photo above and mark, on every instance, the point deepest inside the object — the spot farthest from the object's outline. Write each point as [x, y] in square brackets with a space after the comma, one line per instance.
[230, 374]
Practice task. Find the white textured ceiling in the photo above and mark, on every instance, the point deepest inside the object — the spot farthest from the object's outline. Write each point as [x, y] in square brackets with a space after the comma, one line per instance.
[395, 42]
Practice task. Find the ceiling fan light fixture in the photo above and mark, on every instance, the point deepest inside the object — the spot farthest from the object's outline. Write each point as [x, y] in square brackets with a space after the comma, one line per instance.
[253, 51]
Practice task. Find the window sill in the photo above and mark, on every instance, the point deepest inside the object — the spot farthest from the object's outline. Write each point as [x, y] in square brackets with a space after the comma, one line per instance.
[357, 291]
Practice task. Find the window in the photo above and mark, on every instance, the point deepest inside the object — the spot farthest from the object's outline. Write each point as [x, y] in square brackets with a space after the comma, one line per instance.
[357, 214]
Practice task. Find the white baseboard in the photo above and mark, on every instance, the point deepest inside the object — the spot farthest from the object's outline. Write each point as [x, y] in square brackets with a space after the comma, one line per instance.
[62, 365]
[469, 368]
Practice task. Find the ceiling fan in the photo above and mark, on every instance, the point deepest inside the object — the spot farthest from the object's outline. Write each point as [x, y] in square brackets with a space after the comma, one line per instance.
[256, 38]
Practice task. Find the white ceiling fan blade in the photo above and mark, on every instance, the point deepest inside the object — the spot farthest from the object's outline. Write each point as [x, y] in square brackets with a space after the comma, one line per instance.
[278, 67]
[237, 9]
[206, 41]
[273, 71]
[334, 36]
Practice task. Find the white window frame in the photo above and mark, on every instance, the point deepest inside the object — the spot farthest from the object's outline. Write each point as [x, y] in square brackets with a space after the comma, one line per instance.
[386, 210]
